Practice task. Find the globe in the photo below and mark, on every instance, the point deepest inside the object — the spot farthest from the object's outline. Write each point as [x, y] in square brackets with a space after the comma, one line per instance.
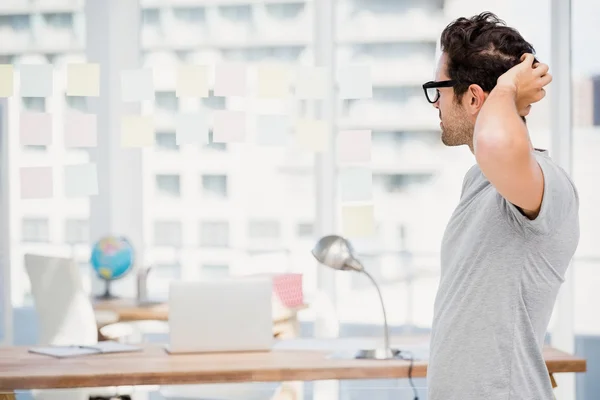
[112, 258]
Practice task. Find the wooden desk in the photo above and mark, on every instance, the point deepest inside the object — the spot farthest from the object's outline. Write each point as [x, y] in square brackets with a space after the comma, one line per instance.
[285, 320]
[21, 370]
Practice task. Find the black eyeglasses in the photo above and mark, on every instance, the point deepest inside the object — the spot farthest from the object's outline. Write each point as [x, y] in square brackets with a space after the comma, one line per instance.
[431, 89]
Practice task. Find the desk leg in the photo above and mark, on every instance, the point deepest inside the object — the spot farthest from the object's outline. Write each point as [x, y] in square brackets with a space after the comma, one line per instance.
[554, 385]
[7, 396]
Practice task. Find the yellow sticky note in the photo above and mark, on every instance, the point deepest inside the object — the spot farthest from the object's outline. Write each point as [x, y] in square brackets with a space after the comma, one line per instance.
[358, 220]
[137, 131]
[312, 135]
[83, 80]
[192, 81]
[6, 80]
[273, 81]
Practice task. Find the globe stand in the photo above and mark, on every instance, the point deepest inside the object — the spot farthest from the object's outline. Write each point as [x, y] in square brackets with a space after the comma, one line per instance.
[107, 294]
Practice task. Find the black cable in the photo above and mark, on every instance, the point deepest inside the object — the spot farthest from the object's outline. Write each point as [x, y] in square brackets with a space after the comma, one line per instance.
[410, 368]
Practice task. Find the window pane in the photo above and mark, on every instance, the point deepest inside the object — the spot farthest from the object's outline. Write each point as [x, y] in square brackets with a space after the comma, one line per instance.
[214, 186]
[35, 230]
[166, 141]
[77, 231]
[214, 271]
[167, 233]
[168, 185]
[264, 229]
[214, 234]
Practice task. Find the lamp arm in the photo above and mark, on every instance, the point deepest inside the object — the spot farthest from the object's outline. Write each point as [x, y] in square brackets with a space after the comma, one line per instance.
[386, 336]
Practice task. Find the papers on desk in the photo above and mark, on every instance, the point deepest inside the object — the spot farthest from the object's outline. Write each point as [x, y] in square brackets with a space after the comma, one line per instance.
[104, 347]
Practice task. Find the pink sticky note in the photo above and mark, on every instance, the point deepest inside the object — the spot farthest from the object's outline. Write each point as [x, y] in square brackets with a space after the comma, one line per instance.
[80, 130]
[229, 126]
[230, 80]
[36, 183]
[35, 129]
[354, 146]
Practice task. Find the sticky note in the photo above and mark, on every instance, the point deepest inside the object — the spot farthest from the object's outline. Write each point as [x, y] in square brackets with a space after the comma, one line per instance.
[192, 81]
[354, 82]
[273, 81]
[229, 126]
[36, 80]
[312, 135]
[83, 80]
[354, 146]
[191, 128]
[80, 129]
[7, 79]
[137, 85]
[310, 83]
[36, 183]
[230, 79]
[356, 184]
[137, 131]
[273, 130]
[358, 220]
[35, 128]
[81, 180]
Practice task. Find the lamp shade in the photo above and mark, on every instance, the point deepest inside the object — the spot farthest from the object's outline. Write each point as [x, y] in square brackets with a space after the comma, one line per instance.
[336, 252]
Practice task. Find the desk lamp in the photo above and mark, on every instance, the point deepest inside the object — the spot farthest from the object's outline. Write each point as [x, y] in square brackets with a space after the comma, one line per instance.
[337, 253]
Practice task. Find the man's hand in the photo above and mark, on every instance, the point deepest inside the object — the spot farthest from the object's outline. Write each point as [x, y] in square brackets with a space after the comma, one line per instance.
[526, 82]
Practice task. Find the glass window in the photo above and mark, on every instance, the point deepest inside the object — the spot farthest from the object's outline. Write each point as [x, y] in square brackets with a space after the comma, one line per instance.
[214, 186]
[305, 230]
[168, 185]
[264, 229]
[77, 231]
[35, 230]
[78, 103]
[214, 271]
[214, 234]
[34, 103]
[167, 101]
[166, 141]
[211, 145]
[167, 233]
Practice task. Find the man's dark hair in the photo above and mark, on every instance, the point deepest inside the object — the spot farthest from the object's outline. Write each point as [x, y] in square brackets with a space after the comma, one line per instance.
[480, 49]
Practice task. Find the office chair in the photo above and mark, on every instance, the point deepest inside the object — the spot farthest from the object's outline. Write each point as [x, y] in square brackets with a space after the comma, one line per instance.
[65, 315]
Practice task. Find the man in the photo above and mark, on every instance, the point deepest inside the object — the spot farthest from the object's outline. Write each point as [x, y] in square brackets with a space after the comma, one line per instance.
[510, 240]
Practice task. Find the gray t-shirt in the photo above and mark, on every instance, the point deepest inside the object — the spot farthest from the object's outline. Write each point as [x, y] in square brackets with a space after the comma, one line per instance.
[500, 275]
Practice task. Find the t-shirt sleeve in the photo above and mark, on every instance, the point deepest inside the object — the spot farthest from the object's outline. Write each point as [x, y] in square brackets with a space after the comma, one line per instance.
[560, 201]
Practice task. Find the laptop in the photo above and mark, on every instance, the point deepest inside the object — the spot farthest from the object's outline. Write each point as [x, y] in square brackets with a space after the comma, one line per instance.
[231, 315]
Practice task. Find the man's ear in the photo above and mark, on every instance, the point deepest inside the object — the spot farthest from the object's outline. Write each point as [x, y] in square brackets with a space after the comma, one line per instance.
[476, 97]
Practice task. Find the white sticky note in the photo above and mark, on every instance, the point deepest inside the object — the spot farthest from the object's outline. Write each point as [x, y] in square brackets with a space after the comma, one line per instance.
[354, 146]
[229, 126]
[80, 129]
[81, 180]
[273, 130]
[137, 85]
[231, 79]
[356, 184]
[273, 81]
[83, 80]
[35, 128]
[36, 183]
[358, 220]
[354, 82]
[7, 80]
[310, 83]
[192, 81]
[36, 80]
[137, 131]
[312, 135]
[191, 128]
